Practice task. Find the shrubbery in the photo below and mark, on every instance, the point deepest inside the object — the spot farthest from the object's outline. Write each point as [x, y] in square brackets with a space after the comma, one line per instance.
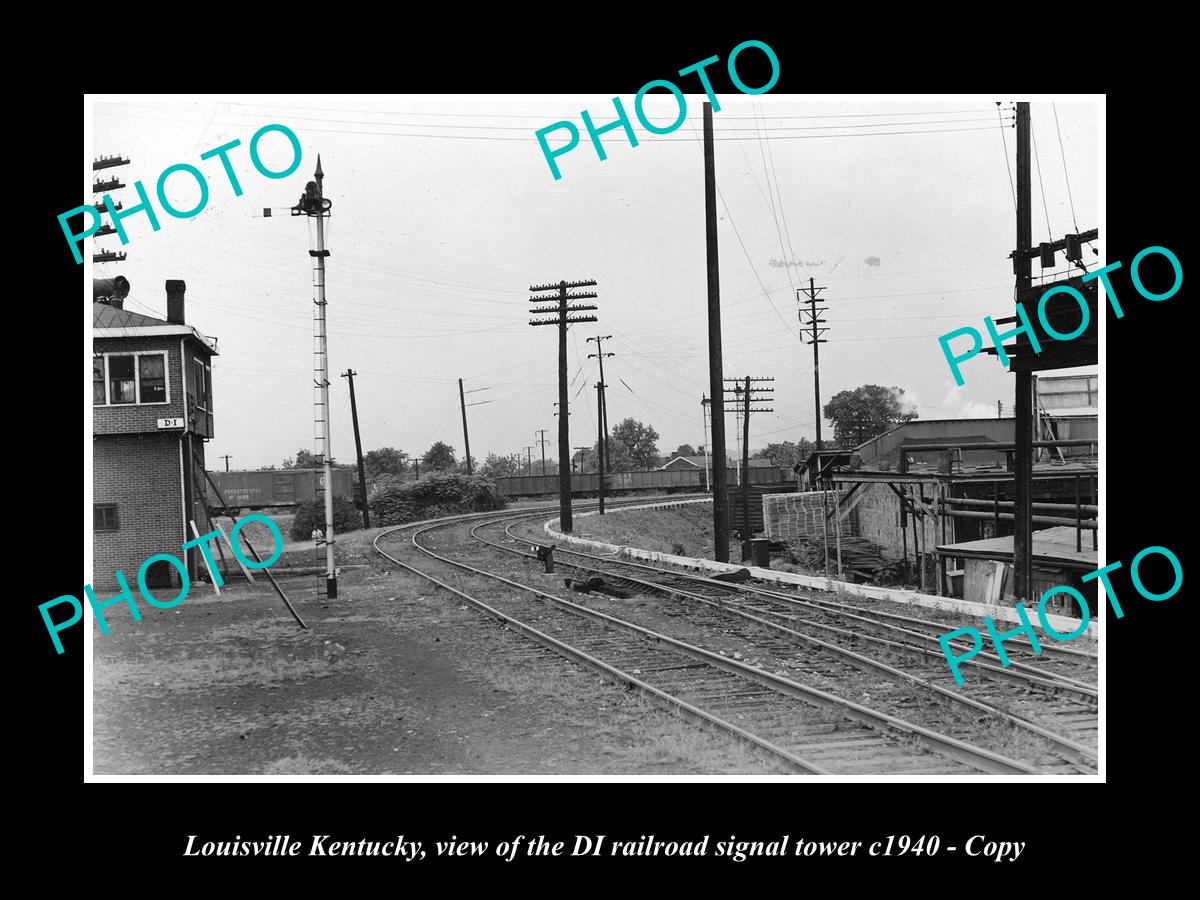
[311, 514]
[432, 496]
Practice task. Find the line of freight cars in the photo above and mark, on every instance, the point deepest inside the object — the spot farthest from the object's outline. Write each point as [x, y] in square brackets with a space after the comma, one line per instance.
[263, 488]
[668, 480]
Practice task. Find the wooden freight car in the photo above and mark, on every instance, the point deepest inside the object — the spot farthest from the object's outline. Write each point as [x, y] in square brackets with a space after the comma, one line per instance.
[665, 480]
[261, 488]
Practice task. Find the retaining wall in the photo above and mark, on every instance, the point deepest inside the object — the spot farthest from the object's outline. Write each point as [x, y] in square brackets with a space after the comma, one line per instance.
[1062, 624]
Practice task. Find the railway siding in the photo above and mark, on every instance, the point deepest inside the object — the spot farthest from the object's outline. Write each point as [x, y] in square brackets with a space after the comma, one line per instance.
[1063, 624]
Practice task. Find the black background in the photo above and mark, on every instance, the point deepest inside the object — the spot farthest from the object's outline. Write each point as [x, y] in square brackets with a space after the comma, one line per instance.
[1149, 413]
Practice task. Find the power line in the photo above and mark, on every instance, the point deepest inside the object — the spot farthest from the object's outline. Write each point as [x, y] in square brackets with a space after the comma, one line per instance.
[526, 140]
[1041, 186]
[541, 116]
[1007, 163]
[788, 253]
[1066, 174]
[782, 209]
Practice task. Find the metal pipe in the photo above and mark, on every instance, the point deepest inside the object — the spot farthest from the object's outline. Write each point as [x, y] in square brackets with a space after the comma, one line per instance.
[995, 445]
[1009, 504]
[1008, 517]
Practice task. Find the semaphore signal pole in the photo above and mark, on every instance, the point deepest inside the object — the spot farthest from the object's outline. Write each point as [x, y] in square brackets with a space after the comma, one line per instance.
[560, 308]
[314, 205]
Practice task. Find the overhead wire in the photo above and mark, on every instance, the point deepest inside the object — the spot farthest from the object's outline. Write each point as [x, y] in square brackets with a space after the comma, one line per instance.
[1007, 163]
[1066, 174]
[526, 140]
[1038, 164]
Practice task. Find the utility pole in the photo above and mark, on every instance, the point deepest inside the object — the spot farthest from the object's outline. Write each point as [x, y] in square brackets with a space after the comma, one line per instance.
[560, 308]
[812, 330]
[466, 440]
[716, 385]
[600, 439]
[749, 395]
[226, 458]
[1023, 401]
[582, 450]
[704, 401]
[599, 355]
[542, 441]
[362, 475]
[314, 205]
[529, 460]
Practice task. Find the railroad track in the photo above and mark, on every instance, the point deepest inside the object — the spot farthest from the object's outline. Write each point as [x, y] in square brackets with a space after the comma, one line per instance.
[1063, 726]
[1065, 671]
[811, 730]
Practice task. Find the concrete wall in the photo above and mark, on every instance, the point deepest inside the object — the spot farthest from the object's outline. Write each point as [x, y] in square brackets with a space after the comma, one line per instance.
[877, 518]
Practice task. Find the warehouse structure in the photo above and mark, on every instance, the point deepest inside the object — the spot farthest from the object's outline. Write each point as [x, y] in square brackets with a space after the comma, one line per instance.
[925, 490]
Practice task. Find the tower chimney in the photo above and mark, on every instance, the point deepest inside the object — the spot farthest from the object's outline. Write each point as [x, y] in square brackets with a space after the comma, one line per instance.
[175, 289]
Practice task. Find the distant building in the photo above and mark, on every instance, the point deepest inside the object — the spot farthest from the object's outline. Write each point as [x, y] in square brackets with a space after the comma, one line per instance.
[1069, 407]
[152, 411]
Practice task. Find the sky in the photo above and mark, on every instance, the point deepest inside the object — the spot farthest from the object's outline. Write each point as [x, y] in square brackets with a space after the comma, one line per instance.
[445, 212]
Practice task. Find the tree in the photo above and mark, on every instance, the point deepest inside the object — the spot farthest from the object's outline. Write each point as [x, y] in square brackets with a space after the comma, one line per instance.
[305, 459]
[384, 461]
[461, 466]
[786, 453]
[502, 466]
[439, 457]
[639, 443]
[866, 411]
[685, 450]
[619, 458]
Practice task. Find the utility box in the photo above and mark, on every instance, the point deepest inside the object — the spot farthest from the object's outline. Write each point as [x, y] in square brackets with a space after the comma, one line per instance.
[757, 551]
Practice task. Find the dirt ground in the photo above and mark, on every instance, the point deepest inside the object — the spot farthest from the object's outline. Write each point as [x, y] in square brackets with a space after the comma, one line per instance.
[393, 677]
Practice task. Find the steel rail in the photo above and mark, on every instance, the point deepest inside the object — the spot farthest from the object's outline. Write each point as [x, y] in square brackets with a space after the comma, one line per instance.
[858, 658]
[952, 747]
[1027, 672]
[611, 672]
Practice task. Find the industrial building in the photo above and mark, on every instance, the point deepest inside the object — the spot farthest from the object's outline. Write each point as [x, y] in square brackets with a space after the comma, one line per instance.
[936, 493]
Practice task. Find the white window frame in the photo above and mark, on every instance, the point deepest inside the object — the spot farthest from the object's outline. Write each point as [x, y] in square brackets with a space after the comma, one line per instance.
[137, 377]
[201, 389]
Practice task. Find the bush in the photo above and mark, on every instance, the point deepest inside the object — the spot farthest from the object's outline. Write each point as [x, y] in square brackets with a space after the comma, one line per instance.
[432, 496]
[311, 514]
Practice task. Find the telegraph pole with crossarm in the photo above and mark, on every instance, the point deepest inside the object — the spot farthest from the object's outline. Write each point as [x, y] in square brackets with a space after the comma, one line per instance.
[560, 308]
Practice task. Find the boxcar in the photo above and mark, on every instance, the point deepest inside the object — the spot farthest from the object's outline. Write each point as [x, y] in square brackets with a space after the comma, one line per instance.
[258, 489]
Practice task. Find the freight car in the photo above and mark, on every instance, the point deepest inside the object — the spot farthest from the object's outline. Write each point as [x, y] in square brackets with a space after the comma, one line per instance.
[666, 480]
[262, 488]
